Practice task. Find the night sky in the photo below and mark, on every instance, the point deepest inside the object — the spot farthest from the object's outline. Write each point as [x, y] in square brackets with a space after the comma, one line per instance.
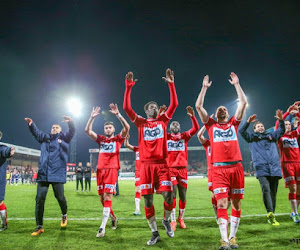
[53, 50]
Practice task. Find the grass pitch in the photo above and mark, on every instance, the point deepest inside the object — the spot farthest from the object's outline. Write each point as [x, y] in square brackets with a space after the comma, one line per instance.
[85, 212]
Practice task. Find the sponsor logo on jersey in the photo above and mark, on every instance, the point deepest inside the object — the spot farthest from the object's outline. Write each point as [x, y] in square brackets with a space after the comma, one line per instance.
[290, 178]
[176, 145]
[109, 147]
[238, 191]
[146, 186]
[151, 134]
[220, 190]
[289, 142]
[137, 155]
[223, 135]
[173, 178]
[166, 183]
[110, 186]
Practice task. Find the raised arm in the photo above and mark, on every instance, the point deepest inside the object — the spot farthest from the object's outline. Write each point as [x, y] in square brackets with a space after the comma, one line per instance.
[39, 135]
[200, 100]
[191, 113]
[281, 129]
[129, 82]
[173, 96]
[200, 136]
[69, 135]
[243, 130]
[293, 109]
[240, 111]
[114, 110]
[127, 144]
[6, 152]
[89, 125]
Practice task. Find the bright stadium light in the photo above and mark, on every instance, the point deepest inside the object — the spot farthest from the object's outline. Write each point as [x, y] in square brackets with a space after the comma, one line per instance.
[74, 106]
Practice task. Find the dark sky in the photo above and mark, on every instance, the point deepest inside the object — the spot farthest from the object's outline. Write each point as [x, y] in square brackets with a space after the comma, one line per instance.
[52, 50]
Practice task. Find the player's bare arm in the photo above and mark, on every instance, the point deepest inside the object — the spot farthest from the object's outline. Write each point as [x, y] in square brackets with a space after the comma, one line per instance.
[234, 80]
[89, 126]
[200, 136]
[127, 144]
[129, 82]
[114, 110]
[169, 78]
[200, 100]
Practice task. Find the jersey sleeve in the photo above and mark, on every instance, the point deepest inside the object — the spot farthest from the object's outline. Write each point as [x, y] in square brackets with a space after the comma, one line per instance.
[234, 121]
[209, 123]
[135, 148]
[138, 120]
[164, 118]
[120, 139]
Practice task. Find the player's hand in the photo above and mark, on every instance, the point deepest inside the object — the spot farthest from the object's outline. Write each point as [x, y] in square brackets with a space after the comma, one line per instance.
[190, 111]
[279, 114]
[162, 110]
[293, 109]
[169, 76]
[129, 79]
[29, 121]
[252, 118]
[127, 136]
[234, 79]
[206, 83]
[12, 151]
[67, 118]
[114, 109]
[95, 112]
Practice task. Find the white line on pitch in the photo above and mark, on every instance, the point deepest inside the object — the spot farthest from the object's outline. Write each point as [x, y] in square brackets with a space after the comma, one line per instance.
[142, 218]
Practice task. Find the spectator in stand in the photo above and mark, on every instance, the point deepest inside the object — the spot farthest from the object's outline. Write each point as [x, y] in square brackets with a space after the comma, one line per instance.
[87, 176]
[79, 176]
[34, 177]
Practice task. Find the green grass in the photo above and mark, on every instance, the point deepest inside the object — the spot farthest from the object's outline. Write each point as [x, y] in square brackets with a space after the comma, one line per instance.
[133, 232]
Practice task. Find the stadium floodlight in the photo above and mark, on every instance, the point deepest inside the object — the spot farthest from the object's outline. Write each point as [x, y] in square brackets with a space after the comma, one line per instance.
[74, 106]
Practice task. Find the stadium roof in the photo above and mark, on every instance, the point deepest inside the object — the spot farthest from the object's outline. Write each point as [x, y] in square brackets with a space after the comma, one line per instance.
[23, 150]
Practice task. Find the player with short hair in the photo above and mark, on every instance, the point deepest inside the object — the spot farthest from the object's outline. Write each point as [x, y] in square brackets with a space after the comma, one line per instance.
[153, 153]
[137, 174]
[108, 162]
[290, 161]
[178, 162]
[5, 152]
[228, 173]
[52, 168]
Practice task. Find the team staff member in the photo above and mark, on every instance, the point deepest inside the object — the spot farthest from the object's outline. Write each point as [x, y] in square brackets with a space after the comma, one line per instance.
[265, 160]
[87, 176]
[5, 152]
[52, 168]
[79, 176]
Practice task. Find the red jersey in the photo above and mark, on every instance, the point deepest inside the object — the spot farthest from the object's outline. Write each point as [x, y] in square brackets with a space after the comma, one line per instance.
[109, 151]
[224, 140]
[207, 148]
[288, 146]
[152, 138]
[177, 149]
[137, 158]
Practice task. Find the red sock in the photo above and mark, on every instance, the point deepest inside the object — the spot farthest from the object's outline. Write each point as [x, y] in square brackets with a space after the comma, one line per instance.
[292, 196]
[182, 204]
[168, 206]
[150, 212]
[2, 206]
[222, 213]
[236, 213]
[174, 202]
[137, 195]
[109, 204]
